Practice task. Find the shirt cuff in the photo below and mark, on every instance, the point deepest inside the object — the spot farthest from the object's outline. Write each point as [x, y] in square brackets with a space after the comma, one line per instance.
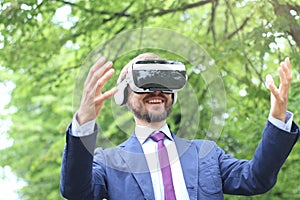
[83, 130]
[287, 126]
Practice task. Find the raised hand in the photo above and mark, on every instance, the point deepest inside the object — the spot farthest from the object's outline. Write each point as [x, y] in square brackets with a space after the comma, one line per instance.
[93, 98]
[279, 96]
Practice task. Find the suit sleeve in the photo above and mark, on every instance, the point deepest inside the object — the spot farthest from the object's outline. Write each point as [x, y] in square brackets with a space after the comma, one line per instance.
[256, 176]
[79, 173]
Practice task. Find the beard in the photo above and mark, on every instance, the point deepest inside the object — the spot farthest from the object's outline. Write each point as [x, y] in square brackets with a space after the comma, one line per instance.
[157, 115]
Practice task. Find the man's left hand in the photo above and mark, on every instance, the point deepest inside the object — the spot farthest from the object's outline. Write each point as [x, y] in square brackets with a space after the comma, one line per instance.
[279, 96]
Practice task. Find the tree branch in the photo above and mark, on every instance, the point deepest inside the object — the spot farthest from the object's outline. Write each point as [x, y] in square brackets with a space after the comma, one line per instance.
[183, 8]
[212, 20]
[101, 12]
[146, 13]
[283, 11]
[226, 21]
[239, 29]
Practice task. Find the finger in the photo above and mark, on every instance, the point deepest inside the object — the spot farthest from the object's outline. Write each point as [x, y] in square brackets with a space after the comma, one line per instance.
[103, 69]
[94, 68]
[100, 72]
[287, 62]
[271, 86]
[285, 79]
[287, 69]
[269, 81]
[105, 95]
[282, 75]
[101, 82]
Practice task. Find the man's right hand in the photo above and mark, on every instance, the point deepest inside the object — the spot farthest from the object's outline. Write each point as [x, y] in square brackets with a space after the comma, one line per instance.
[93, 98]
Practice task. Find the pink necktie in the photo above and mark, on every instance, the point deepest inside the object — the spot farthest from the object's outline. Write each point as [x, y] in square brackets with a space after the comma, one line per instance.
[164, 166]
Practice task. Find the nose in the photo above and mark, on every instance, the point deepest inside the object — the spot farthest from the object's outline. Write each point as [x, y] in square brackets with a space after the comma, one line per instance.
[156, 92]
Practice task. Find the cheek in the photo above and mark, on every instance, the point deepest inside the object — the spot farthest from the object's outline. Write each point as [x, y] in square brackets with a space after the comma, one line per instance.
[135, 101]
[138, 99]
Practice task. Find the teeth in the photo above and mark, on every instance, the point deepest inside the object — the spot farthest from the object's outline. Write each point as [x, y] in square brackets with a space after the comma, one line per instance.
[155, 101]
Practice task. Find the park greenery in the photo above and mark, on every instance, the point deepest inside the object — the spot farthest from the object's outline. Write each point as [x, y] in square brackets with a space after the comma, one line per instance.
[44, 46]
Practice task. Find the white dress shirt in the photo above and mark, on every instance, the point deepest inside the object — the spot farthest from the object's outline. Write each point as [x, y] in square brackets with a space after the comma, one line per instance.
[150, 150]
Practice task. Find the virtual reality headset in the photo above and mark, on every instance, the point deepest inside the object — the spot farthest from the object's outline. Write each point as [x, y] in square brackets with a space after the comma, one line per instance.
[147, 76]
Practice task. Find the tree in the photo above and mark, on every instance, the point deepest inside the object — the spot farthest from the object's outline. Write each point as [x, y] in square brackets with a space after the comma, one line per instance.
[43, 45]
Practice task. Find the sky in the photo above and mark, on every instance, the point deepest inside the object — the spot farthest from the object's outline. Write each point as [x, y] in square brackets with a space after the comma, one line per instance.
[9, 183]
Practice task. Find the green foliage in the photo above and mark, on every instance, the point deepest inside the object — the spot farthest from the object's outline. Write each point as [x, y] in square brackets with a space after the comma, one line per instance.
[42, 52]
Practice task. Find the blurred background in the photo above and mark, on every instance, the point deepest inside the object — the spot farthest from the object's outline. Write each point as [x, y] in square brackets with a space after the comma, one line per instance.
[44, 43]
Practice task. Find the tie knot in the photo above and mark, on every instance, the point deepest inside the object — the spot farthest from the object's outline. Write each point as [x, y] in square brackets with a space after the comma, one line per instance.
[157, 136]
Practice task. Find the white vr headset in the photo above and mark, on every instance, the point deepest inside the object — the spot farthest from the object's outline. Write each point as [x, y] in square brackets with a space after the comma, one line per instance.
[147, 76]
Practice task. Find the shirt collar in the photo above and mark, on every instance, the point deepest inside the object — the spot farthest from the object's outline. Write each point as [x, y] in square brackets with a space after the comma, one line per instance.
[143, 132]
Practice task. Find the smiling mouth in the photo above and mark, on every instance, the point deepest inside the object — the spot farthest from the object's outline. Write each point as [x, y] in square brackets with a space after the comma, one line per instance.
[155, 101]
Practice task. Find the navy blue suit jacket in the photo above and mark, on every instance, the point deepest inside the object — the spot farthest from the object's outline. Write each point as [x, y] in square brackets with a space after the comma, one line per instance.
[122, 172]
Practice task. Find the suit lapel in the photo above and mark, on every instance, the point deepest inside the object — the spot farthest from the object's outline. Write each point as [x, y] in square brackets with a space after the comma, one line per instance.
[132, 153]
[188, 155]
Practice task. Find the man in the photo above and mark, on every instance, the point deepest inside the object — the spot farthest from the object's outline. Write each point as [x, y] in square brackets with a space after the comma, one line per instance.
[140, 168]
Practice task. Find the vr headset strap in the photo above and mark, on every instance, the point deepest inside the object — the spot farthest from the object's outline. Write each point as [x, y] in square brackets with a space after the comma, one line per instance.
[120, 95]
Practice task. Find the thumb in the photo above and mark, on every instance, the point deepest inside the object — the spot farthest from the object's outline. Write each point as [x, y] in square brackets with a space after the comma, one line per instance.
[271, 86]
[269, 81]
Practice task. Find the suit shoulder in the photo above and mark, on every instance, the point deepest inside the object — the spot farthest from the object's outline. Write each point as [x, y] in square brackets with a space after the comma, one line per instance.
[204, 143]
[205, 147]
